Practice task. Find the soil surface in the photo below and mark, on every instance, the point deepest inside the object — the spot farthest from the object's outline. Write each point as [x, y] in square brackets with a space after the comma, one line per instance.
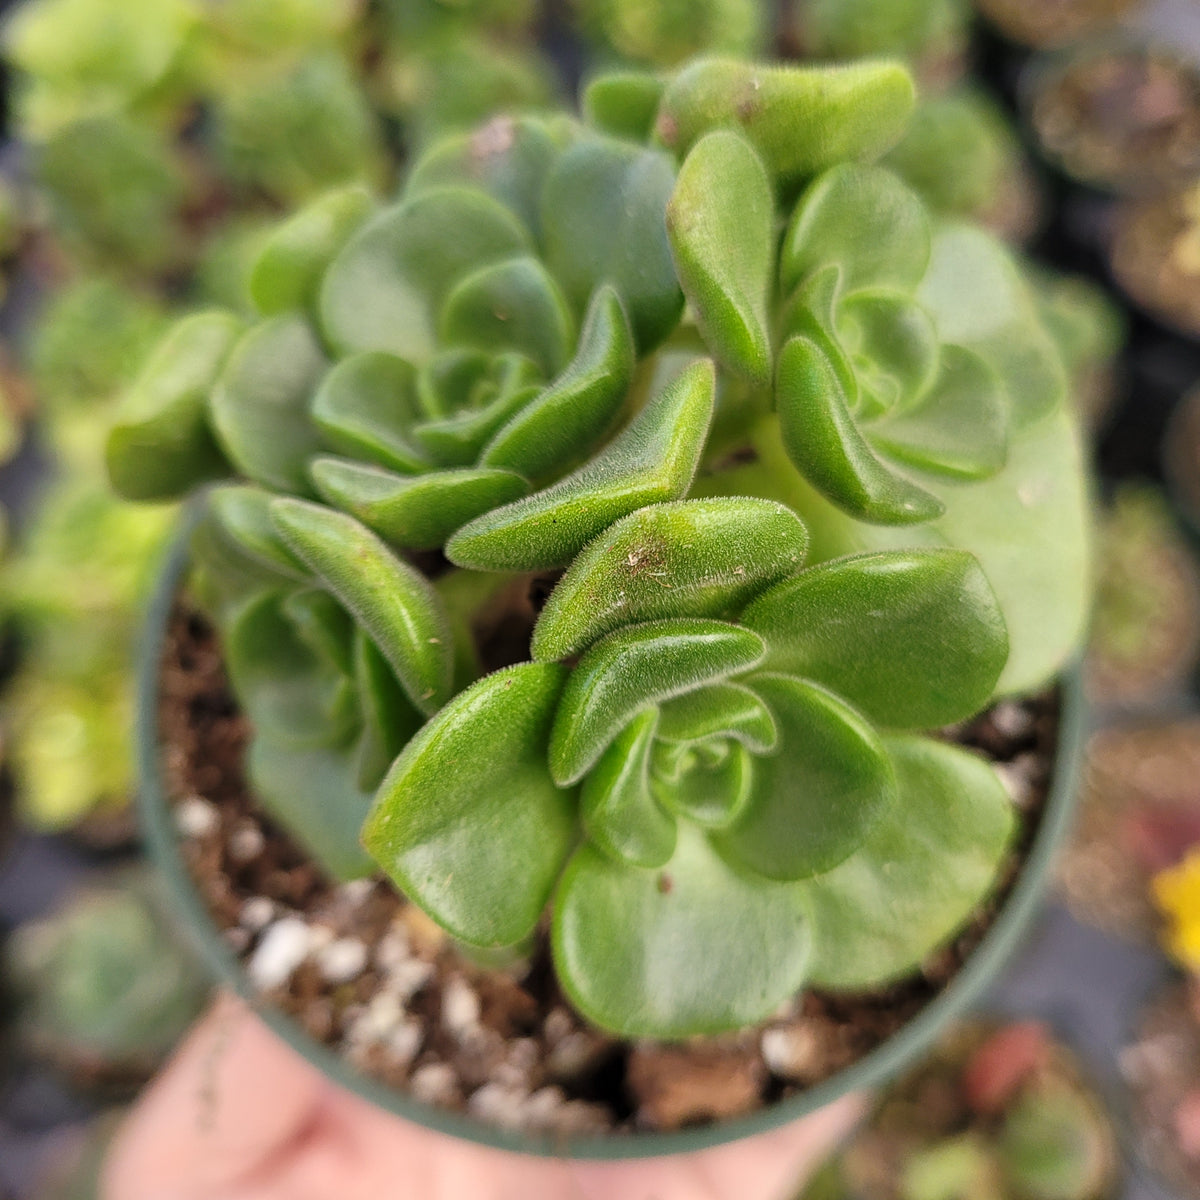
[370, 975]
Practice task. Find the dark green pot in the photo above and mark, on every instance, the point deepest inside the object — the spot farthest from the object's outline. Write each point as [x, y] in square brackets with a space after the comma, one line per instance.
[881, 1064]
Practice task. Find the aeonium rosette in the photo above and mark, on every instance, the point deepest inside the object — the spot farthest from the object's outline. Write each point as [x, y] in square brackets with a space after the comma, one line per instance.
[734, 736]
[604, 348]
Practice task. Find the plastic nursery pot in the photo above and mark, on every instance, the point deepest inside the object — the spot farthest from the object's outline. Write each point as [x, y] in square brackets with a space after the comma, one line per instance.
[886, 1060]
[1119, 114]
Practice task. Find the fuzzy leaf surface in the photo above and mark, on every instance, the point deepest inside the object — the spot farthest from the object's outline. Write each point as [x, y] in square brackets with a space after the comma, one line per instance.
[602, 221]
[389, 719]
[242, 512]
[693, 947]
[417, 512]
[286, 275]
[721, 222]
[386, 286]
[921, 872]
[393, 602]
[260, 406]
[575, 411]
[653, 460]
[468, 821]
[633, 669]
[823, 440]
[619, 810]
[721, 710]
[913, 639]
[623, 103]
[690, 558]
[815, 799]
[161, 444]
[800, 119]
[366, 406]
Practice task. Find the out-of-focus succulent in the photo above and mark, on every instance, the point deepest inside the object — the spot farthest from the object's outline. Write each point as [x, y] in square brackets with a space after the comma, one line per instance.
[581, 348]
[665, 34]
[1146, 629]
[103, 986]
[993, 1114]
[1055, 23]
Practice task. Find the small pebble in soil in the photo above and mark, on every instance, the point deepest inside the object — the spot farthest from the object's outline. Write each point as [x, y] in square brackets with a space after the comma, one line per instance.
[436, 1083]
[196, 818]
[792, 1052]
[460, 1007]
[342, 960]
[256, 914]
[284, 946]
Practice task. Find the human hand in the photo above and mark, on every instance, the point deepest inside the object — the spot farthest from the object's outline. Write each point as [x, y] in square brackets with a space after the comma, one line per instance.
[237, 1115]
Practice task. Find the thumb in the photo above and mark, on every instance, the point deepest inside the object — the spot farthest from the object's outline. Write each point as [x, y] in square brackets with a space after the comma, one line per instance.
[232, 1097]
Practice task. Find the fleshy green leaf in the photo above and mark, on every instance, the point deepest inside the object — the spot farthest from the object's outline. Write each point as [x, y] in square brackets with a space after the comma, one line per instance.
[691, 558]
[653, 460]
[721, 222]
[709, 784]
[623, 103]
[580, 405]
[510, 305]
[394, 603]
[912, 638]
[288, 269]
[508, 158]
[388, 717]
[634, 668]
[920, 874]
[895, 348]
[385, 288]
[863, 220]
[314, 793]
[416, 512]
[468, 822]
[979, 300]
[260, 406]
[958, 429]
[366, 407]
[602, 221]
[823, 441]
[691, 948]
[721, 710]
[800, 119]
[819, 795]
[323, 625]
[161, 444]
[619, 811]
[242, 513]
[291, 694]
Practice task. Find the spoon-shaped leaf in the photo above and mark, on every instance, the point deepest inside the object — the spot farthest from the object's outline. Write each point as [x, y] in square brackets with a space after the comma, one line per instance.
[919, 875]
[161, 444]
[816, 798]
[260, 406]
[292, 694]
[633, 669]
[895, 348]
[313, 791]
[394, 603]
[721, 710]
[721, 222]
[709, 784]
[468, 821]
[958, 429]
[386, 286]
[619, 811]
[323, 625]
[575, 411]
[864, 220]
[623, 103]
[912, 638]
[242, 512]
[691, 558]
[366, 406]
[602, 220]
[654, 459]
[510, 305]
[388, 717]
[692, 948]
[417, 512]
[824, 442]
[800, 119]
[287, 272]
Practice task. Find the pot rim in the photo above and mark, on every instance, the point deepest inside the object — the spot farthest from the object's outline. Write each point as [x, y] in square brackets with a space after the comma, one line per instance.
[885, 1061]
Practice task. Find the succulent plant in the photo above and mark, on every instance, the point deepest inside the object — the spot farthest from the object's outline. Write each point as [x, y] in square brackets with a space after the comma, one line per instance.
[669, 33]
[103, 986]
[916, 29]
[606, 521]
[999, 1113]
